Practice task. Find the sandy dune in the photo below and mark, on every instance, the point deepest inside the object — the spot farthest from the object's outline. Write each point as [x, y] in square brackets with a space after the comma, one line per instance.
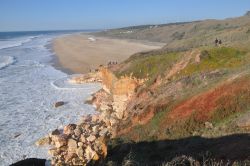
[80, 53]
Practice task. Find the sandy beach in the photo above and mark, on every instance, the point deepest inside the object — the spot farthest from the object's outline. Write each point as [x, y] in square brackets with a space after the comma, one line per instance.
[81, 53]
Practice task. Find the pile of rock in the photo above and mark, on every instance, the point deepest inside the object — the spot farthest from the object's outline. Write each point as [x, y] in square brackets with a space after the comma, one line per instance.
[78, 144]
[112, 108]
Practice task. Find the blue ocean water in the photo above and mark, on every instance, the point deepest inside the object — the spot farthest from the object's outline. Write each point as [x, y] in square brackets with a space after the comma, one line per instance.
[29, 87]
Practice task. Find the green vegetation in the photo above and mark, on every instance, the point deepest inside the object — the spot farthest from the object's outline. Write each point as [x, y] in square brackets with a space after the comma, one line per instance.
[150, 66]
[230, 105]
[196, 103]
[216, 58]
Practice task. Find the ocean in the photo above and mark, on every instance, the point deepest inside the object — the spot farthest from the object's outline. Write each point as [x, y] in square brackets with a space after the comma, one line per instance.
[29, 87]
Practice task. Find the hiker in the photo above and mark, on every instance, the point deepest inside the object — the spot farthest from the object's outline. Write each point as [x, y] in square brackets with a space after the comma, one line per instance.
[216, 42]
[220, 42]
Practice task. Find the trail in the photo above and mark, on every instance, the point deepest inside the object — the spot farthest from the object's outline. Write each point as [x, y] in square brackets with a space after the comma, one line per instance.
[188, 56]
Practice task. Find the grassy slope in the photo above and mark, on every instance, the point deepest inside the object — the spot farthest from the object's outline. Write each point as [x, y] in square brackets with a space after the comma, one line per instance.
[197, 93]
[181, 36]
[215, 90]
[149, 66]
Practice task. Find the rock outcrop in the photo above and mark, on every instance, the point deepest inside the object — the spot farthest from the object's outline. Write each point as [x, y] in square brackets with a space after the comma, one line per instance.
[80, 144]
[83, 143]
[59, 103]
[86, 78]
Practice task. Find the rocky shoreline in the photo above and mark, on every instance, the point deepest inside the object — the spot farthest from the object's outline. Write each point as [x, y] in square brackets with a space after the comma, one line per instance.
[86, 142]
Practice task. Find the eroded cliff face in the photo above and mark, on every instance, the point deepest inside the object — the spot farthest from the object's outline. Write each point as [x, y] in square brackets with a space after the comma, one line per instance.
[112, 101]
[126, 85]
[85, 142]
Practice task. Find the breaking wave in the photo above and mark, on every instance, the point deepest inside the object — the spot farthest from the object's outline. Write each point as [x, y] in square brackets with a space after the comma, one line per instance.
[6, 61]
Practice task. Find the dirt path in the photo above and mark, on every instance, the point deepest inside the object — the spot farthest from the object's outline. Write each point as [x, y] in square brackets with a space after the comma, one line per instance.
[184, 62]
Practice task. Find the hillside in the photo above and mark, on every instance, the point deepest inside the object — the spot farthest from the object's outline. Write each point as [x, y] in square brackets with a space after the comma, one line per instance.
[201, 94]
[188, 34]
[185, 104]
[195, 101]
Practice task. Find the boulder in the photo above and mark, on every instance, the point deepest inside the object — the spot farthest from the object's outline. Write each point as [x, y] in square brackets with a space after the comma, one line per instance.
[55, 132]
[80, 153]
[95, 129]
[113, 121]
[103, 132]
[91, 138]
[59, 140]
[95, 118]
[72, 145]
[43, 141]
[70, 156]
[53, 152]
[89, 153]
[82, 138]
[78, 132]
[59, 103]
[80, 144]
[69, 129]
[87, 127]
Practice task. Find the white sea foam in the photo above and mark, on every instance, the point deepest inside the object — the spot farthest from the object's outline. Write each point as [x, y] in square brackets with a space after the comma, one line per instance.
[64, 84]
[15, 42]
[6, 61]
[28, 91]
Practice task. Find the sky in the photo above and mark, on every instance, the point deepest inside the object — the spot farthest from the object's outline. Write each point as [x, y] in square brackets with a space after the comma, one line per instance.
[33, 15]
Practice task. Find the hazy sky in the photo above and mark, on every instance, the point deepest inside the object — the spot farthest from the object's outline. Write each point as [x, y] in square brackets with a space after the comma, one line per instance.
[19, 15]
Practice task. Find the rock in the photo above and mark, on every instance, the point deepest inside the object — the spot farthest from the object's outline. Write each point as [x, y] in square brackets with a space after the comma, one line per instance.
[59, 103]
[43, 141]
[95, 118]
[113, 121]
[53, 152]
[63, 149]
[96, 157]
[72, 145]
[91, 138]
[95, 129]
[89, 100]
[17, 135]
[80, 144]
[243, 121]
[86, 127]
[70, 156]
[80, 153]
[208, 125]
[77, 132]
[103, 132]
[86, 118]
[82, 138]
[89, 153]
[104, 150]
[104, 107]
[55, 132]
[69, 129]
[119, 114]
[59, 140]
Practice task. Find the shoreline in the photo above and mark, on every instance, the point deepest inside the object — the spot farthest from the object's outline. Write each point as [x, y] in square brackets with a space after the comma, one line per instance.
[82, 53]
[96, 121]
[54, 61]
[87, 139]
